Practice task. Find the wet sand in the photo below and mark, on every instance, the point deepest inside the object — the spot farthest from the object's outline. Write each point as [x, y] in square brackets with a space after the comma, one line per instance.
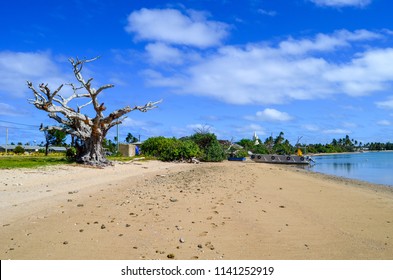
[155, 210]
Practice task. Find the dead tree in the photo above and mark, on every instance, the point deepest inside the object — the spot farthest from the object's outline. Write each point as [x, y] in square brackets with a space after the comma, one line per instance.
[91, 131]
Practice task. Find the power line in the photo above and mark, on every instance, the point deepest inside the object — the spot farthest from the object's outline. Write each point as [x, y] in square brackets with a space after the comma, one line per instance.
[19, 123]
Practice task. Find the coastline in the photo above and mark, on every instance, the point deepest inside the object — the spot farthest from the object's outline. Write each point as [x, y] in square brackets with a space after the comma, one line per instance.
[366, 166]
[349, 153]
[228, 210]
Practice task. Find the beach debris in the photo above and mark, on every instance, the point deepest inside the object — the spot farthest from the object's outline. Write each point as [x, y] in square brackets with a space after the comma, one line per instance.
[173, 200]
[181, 240]
[179, 227]
[200, 246]
[80, 205]
[65, 242]
[282, 206]
[170, 256]
[209, 245]
[103, 226]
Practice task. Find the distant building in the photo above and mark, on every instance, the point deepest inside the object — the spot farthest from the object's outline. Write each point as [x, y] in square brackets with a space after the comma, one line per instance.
[31, 149]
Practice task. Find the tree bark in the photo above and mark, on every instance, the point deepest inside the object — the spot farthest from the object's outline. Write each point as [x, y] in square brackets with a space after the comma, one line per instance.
[93, 153]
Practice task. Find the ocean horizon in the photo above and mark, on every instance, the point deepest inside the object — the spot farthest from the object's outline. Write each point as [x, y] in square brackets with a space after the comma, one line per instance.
[373, 167]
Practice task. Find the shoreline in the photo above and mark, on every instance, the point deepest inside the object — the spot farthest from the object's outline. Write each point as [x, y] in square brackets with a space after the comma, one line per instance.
[156, 210]
[332, 173]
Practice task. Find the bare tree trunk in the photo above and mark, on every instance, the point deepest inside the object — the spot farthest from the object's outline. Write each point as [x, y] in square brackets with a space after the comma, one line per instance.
[92, 152]
[90, 131]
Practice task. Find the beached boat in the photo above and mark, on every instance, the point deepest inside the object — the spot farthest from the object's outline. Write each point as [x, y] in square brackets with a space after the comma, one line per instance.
[236, 158]
[281, 159]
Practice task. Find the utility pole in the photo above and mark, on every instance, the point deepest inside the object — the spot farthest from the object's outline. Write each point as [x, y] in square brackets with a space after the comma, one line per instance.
[117, 137]
[6, 140]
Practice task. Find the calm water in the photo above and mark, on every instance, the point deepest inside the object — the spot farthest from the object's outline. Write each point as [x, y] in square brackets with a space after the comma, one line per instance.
[373, 167]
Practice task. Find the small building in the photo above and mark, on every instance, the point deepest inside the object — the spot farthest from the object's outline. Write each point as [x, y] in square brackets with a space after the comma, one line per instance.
[127, 150]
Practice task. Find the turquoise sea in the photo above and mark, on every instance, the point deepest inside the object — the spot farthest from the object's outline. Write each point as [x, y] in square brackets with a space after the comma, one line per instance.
[373, 167]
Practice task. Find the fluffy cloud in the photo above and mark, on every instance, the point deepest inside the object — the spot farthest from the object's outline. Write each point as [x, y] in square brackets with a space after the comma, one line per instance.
[342, 3]
[172, 27]
[247, 130]
[271, 115]
[18, 67]
[162, 53]
[326, 42]
[387, 104]
[291, 70]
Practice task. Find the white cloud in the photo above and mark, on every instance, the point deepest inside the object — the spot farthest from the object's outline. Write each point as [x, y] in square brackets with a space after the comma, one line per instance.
[336, 131]
[267, 13]
[311, 127]
[367, 73]
[342, 3]
[162, 53]
[263, 74]
[387, 104]
[325, 43]
[384, 123]
[249, 129]
[172, 27]
[271, 115]
[129, 122]
[18, 67]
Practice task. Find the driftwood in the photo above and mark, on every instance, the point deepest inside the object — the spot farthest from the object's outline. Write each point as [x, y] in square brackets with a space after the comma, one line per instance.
[91, 131]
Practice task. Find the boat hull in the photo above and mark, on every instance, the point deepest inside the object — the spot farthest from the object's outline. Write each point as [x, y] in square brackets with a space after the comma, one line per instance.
[280, 159]
[236, 159]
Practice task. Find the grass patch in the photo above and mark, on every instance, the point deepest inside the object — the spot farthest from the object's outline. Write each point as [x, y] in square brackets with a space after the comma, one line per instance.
[23, 161]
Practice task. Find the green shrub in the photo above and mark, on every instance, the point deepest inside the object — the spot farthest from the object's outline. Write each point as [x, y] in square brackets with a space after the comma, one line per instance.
[189, 149]
[210, 147]
[241, 154]
[71, 153]
[170, 149]
[260, 149]
[214, 153]
[19, 150]
[154, 146]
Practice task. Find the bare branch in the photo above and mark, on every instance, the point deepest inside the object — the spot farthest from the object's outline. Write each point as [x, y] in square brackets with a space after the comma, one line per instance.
[91, 130]
[103, 88]
[148, 106]
[80, 107]
[65, 129]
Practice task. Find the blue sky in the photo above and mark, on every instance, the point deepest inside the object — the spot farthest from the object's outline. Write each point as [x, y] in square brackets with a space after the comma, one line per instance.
[320, 69]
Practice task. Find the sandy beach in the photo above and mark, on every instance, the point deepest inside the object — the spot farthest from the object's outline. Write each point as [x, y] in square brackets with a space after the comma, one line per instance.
[155, 210]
